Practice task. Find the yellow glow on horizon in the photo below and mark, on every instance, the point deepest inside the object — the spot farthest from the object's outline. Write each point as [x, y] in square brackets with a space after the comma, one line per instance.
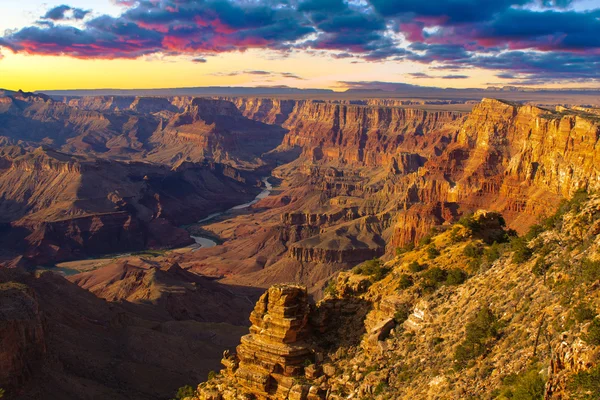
[34, 72]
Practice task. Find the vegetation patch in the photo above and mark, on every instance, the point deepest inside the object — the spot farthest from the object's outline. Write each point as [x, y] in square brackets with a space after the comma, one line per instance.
[373, 268]
[479, 332]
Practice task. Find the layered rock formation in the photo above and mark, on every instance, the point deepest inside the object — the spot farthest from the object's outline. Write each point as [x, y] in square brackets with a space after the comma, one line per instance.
[276, 349]
[56, 206]
[217, 130]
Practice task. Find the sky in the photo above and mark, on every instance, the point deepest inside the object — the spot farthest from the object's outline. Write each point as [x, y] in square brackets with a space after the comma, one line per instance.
[336, 44]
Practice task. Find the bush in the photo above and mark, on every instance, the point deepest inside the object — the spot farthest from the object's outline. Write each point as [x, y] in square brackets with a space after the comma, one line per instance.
[583, 313]
[432, 278]
[540, 267]
[456, 276]
[415, 267]
[454, 235]
[432, 252]
[593, 333]
[526, 386]
[406, 281]
[586, 384]
[534, 232]
[522, 253]
[425, 240]
[1, 393]
[468, 221]
[380, 388]
[483, 327]
[331, 288]
[373, 268]
[402, 313]
[590, 270]
[401, 250]
[185, 391]
[211, 375]
[472, 251]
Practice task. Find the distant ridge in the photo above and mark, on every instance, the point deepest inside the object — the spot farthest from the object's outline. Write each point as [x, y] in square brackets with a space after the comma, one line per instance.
[191, 91]
[355, 90]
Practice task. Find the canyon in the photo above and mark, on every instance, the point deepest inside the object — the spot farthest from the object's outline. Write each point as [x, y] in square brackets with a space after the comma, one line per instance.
[353, 181]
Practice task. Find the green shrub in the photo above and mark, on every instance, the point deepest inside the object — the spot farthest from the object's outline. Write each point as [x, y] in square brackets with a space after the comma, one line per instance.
[185, 391]
[583, 313]
[331, 288]
[540, 267]
[468, 221]
[534, 232]
[402, 313]
[593, 333]
[401, 250]
[211, 375]
[432, 252]
[483, 327]
[522, 253]
[380, 388]
[406, 281]
[590, 270]
[415, 267]
[373, 268]
[1, 393]
[472, 251]
[456, 276]
[528, 385]
[493, 252]
[454, 236]
[432, 278]
[586, 384]
[425, 240]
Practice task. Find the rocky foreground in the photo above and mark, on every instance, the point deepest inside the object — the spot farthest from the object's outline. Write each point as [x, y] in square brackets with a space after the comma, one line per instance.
[460, 316]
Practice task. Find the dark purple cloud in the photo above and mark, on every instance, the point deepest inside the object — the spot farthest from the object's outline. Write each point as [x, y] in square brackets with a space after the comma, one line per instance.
[550, 41]
[65, 12]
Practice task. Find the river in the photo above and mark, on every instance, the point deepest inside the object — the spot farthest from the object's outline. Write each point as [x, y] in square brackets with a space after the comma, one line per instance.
[203, 242]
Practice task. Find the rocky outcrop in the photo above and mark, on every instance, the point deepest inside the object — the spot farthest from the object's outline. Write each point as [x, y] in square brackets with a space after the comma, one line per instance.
[569, 357]
[274, 352]
[22, 335]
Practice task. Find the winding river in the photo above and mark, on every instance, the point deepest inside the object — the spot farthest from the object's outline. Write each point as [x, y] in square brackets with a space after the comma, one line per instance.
[203, 242]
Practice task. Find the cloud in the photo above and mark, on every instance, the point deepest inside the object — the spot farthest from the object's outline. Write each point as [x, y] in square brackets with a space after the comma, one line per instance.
[199, 60]
[545, 39]
[455, 77]
[260, 73]
[64, 12]
[419, 75]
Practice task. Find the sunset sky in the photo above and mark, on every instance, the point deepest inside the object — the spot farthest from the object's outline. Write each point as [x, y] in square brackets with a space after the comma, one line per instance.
[338, 44]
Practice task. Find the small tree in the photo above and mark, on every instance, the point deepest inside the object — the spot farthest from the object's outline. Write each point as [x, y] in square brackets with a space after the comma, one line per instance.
[593, 333]
[483, 327]
[415, 267]
[522, 253]
[583, 313]
[406, 281]
[456, 276]
[432, 252]
[185, 391]
[493, 252]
